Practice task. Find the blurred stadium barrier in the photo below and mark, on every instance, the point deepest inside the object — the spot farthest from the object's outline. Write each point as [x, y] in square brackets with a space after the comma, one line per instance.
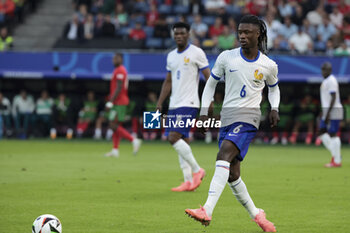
[146, 66]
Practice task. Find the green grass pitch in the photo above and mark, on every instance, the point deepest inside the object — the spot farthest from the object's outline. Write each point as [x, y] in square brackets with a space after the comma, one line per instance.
[91, 193]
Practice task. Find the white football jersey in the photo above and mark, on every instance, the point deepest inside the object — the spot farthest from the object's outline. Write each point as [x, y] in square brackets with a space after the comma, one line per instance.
[244, 81]
[330, 85]
[184, 67]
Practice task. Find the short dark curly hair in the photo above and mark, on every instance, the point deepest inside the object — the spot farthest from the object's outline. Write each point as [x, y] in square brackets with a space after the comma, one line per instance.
[182, 25]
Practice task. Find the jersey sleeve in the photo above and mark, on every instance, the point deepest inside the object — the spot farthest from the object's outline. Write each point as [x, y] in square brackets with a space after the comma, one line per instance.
[272, 79]
[332, 87]
[121, 75]
[168, 69]
[201, 60]
[218, 70]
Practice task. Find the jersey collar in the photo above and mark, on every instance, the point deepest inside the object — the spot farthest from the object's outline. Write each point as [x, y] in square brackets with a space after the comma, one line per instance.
[248, 60]
[184, 49]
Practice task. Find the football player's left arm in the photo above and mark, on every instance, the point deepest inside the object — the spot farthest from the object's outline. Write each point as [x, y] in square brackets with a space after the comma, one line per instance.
[203, 64]
[274, 99]
[274, 95]
[117, 90]
[330, 107]
[206, 73]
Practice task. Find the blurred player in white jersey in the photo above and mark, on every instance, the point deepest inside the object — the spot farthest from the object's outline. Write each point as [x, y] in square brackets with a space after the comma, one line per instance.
[183, 66]
[245, 69]
[332, 114]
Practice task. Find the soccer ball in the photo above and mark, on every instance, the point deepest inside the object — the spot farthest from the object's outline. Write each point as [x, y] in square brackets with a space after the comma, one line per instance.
[46, 223]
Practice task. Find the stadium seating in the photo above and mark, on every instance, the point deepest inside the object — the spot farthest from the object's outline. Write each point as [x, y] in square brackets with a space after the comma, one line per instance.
[179, 9]
[164, 9]
[173, 11]
[154, 43]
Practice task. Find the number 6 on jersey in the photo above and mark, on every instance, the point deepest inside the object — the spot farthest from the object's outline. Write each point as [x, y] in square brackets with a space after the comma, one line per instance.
[243, 92]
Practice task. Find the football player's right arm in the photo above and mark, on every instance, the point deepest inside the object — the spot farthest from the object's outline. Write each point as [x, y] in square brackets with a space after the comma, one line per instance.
[207, 98]
[117, 91]
[164, 93]
[209, 89]
[208, 94]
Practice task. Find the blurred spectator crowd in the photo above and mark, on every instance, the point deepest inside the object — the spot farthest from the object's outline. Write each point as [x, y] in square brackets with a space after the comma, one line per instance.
[24, 117]
[293, 26]
[13, 12]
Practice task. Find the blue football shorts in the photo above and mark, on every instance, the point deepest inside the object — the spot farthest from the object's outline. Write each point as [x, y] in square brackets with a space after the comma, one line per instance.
[241, 134]
[331, 127]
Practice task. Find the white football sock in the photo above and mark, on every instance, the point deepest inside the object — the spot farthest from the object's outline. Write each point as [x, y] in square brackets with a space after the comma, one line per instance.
[336, 145]
[109, 134]
[326, 140]
[184, 150]
[98, 133]
[240, 191]
[186, 169]
[217, 185]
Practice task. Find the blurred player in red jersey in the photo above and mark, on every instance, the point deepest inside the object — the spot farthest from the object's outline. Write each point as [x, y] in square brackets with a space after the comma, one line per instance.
[117, 104]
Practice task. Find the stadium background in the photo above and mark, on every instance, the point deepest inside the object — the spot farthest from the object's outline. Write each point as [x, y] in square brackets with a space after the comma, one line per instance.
[89, 193]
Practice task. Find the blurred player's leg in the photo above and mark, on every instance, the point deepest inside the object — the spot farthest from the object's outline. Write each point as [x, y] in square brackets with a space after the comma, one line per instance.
[98, 133]
[187, 172]
[53, 133]
[308, 138]
[318, 141]
[284, 139]
[186, 169]
[336, 145]
[98, 126]
[184, 150]
[69, 133]
[275, 138]
[81, 128]
[136, 144]
[294, 135]
[109, 134]
[208, 137]
[326, 140]
[333, 144]
[240, 191]
[115, 151]
[134, 126]
[309, 135]
[124, 133]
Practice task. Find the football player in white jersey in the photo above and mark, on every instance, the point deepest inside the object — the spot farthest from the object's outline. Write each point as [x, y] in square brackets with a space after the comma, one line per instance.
[182, 80]
[332, 114]
[245, 70]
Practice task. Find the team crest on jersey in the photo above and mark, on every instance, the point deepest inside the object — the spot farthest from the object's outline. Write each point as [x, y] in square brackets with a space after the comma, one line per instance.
[186, 60]
[257, 75]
